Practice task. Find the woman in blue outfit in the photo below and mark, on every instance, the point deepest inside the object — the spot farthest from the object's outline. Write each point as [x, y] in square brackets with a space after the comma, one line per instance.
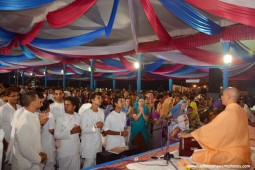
[139, 134]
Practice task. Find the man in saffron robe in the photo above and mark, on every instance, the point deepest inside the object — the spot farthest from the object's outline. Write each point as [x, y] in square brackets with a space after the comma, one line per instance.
[225, 140]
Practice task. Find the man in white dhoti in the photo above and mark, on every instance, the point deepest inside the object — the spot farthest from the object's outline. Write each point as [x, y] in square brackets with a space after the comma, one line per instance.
[67, 130]
[57, 108]
[27, 153]
[48, 140]
[92, 124]
[6, 115]
[114, 125]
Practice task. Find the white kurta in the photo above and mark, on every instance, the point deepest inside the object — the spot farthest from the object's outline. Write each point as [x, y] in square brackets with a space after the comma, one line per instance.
[6, 116]
[69, 149]
[9, 153]
[115, 122]
[27, 142]
[1, 102]
[57, 109]
[48, 140]
[84, 107]
[91, 142]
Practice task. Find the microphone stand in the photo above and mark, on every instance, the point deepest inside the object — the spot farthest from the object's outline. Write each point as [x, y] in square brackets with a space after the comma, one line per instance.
[167, 155]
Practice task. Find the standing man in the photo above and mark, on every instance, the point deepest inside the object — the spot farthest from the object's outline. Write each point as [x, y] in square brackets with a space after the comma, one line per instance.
[27, 140]
[225, 140]
[114, 125]
[57, 108]
[92, 124]
[67, 130]
[7, 114]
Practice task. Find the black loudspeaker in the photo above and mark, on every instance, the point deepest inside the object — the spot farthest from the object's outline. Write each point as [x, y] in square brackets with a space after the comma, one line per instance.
[215, 80]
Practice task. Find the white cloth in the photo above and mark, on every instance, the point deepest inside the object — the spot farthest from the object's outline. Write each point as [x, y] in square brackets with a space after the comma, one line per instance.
[50, 97]
[57, 109]
[9, 153]
[48, 140]
[69, 149]
[1, 102]
[27, 142]
[84, 107]
[249, 113]
[6, 116]
[115, 122]
[91, 137]
[1, 145]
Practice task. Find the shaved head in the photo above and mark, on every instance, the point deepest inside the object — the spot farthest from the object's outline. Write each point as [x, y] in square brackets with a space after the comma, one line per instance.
[230, 95]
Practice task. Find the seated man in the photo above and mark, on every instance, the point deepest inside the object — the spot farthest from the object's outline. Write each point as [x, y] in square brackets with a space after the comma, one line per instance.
[225, 140]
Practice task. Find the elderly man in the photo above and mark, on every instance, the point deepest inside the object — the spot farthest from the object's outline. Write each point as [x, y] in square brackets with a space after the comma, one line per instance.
[27, 141]
[225, 140]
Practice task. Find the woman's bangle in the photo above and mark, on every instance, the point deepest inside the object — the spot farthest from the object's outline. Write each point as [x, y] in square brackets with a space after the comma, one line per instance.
[120, 133]
[95, 125]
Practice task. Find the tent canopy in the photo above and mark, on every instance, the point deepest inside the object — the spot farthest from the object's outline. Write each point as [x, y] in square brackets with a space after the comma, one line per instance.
[177, 39]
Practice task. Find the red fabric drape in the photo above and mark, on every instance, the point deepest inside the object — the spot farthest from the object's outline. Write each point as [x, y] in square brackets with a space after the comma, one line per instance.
[232, 33]
[53, 57]
[28, 37]
[208, 57]
[122, 73]
[168, 69]
[154, 21]
[67, 15]
[232, 12]
[129, 66]
[103, 66]
[7, 49]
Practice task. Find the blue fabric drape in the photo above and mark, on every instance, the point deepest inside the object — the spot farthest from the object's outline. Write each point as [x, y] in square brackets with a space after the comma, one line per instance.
[182, 71]
[22, 4]
[191, 17]
[153, 66]
[6, 35]
[77, 40]
[27, 52]
[67, 42]
[244, 54]
[113, 63]
[226, 46]
[18, 58]
[108, 29]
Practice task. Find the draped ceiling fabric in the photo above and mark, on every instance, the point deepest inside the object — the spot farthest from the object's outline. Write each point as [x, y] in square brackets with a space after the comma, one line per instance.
[177, 39]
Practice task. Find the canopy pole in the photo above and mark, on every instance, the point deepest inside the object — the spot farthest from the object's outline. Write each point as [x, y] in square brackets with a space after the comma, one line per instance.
[91, 74]
[139, 73]
[64, 75]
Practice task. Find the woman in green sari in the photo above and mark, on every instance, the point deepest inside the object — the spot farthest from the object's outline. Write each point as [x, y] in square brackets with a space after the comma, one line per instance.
[139, 134]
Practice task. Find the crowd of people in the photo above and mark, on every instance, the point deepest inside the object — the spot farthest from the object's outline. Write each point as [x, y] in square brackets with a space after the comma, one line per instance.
[66, 128]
